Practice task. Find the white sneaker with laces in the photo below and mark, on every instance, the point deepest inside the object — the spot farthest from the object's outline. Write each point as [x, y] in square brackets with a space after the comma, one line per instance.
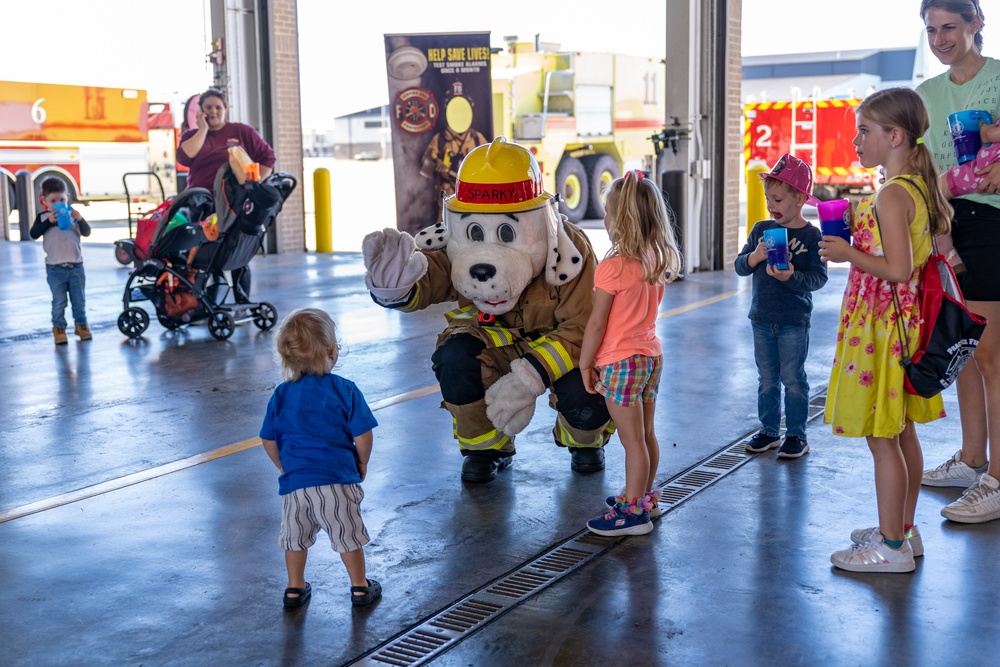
[977, 504]
[875, 556]
[862, 535]
[953, 472]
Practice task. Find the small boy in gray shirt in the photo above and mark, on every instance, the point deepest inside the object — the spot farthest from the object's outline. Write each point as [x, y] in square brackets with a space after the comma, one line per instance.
[63, 257]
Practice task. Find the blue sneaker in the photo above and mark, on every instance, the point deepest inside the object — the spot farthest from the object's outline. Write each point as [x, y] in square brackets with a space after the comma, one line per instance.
[616, 522]
[761, 443]
[793, 447]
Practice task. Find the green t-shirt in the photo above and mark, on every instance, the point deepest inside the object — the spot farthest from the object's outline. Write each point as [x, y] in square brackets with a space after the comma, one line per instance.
[942, 97]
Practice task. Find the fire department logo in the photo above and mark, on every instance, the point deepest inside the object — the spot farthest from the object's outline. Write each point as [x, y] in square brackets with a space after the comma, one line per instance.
[415, 110]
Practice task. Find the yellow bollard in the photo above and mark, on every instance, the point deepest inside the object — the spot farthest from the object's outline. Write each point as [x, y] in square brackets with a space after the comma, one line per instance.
[324, 217]
[756, 202]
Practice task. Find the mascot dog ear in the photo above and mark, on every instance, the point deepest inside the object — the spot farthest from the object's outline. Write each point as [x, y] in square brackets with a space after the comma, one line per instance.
[434, 237]
[564, 261]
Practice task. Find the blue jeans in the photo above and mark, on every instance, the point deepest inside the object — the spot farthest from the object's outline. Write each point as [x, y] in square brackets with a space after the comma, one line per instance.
[780, 352]
[66, 279]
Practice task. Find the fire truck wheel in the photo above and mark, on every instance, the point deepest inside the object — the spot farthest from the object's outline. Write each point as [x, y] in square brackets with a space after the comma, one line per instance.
[573, 188]
[601, 171]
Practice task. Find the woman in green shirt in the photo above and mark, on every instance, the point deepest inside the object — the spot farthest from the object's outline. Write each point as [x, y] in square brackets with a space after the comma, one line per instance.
[954, 33]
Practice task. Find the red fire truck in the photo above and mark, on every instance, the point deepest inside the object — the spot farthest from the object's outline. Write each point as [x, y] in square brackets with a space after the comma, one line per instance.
[88, 136]
[817, 131]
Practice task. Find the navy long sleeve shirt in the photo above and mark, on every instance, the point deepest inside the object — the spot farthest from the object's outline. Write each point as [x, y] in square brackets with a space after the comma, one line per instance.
[790, 302]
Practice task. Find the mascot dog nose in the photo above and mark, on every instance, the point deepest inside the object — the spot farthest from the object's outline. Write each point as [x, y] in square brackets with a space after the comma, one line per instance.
[482, 272]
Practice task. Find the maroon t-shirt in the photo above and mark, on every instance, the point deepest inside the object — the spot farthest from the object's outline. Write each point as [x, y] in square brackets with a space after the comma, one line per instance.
[215, 152]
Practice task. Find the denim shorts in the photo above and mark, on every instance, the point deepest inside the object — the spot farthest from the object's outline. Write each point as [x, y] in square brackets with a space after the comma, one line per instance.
[631, 381]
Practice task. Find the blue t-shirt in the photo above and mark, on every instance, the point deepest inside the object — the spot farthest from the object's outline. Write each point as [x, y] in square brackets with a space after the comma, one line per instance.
[314, 421]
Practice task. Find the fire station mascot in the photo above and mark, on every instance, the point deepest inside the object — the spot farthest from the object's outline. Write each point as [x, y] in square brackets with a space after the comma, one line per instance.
[523, 277]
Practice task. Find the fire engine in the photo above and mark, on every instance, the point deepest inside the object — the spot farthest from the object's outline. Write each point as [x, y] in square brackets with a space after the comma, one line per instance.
[88, 136]
[820, 132]
[585, 116]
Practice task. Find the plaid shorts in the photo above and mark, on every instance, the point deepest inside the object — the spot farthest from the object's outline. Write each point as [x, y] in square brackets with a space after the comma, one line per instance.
[631, 381]
[336, 508]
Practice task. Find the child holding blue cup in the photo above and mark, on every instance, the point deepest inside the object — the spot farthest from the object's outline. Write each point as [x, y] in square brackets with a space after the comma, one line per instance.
[782, 255]
[60, 227]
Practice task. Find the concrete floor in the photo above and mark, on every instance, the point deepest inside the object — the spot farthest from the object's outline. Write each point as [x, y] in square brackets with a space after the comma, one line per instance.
[139, 519]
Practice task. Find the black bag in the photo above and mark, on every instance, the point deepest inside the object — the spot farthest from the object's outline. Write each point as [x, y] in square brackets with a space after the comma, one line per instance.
[950, 332]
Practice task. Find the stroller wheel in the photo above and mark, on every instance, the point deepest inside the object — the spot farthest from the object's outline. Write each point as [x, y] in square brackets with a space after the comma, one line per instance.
[133, 321]
[122, 254]
[264, 316]
[221, 325]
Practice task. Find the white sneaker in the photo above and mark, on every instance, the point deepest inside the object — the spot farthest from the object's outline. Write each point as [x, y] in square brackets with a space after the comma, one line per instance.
[862, 535]
[977, 504]
[875, 557]
[953, 472]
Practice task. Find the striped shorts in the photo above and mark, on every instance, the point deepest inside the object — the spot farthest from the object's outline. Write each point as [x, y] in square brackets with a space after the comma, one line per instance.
[631, 381]
[336, 508]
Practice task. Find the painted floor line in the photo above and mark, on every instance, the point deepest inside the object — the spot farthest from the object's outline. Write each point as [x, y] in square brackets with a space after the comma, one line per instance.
[174, 466]
[212, 455]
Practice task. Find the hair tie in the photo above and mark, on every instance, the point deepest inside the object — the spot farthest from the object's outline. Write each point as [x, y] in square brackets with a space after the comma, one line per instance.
[920, 140]
[638, 174]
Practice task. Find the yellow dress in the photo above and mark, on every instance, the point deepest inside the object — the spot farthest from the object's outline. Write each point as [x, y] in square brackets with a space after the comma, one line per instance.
[866, 395]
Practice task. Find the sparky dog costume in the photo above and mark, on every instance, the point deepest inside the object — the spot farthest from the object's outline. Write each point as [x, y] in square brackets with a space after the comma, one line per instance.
[523, 277]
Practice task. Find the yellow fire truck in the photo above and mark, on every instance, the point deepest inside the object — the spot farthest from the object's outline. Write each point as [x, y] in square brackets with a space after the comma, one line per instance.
[585, 116]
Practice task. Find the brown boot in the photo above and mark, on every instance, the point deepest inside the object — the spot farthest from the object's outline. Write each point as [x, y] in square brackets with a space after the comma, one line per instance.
[59, 333]
[83, 331]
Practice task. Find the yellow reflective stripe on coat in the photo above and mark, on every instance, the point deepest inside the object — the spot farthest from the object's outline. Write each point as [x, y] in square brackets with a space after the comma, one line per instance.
[463, 313]
[499, 336]
[554, 354]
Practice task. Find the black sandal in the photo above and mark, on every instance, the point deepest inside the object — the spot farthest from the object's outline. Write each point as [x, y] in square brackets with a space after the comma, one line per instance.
[372, 592]
[303, 596]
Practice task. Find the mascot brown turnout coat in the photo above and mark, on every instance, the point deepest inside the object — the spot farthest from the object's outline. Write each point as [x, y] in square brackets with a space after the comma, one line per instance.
[522, 278]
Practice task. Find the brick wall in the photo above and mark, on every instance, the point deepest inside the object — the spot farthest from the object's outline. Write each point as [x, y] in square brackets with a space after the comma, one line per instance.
[287, 130]
[733, 170]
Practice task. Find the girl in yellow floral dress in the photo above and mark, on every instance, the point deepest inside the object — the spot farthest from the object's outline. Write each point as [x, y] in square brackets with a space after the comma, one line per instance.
[891, 243]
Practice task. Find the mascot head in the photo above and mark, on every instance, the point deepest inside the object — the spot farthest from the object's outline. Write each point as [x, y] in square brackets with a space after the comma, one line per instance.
[501, 229]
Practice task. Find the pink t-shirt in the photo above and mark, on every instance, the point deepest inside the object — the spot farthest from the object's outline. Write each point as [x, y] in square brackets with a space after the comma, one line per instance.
[632, 320]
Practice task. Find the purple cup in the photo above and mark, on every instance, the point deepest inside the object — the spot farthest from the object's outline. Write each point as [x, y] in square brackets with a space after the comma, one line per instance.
[776, 242]
[835, 218]
[965, 132]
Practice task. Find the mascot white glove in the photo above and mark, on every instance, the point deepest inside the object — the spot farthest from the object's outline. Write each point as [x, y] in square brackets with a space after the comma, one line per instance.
[393, 264]
[510, 402]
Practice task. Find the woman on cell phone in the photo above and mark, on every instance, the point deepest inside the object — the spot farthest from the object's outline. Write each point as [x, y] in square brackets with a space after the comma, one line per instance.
[205, 148]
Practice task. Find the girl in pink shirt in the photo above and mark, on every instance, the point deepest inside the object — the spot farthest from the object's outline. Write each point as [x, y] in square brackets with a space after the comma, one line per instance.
[621, 357]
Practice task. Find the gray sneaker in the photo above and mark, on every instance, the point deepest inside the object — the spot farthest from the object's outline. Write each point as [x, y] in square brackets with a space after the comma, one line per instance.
[953, 472]
[862, 535]
[978, 504]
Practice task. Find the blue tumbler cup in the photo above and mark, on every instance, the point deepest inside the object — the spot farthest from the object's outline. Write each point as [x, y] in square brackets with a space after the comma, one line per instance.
[776, 242]
[965, 132]
[63, 218]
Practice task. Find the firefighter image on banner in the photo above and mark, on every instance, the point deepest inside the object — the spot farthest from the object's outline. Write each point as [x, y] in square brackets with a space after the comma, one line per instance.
[440, 101]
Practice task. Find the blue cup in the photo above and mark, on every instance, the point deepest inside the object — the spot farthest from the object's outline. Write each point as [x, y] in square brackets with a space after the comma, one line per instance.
[776, 242]
[63, 218]
[965, 132]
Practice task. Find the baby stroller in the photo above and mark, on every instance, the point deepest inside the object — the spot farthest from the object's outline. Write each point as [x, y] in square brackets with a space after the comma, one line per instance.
[201, 236]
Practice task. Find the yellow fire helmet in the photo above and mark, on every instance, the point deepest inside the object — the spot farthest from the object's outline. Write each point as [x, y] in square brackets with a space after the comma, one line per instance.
[498, 177]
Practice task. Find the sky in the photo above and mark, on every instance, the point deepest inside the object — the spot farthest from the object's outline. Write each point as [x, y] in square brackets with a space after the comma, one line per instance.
[162, 47]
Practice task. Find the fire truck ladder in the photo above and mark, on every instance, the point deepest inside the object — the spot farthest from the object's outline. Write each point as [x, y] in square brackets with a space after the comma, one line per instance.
[808, 127]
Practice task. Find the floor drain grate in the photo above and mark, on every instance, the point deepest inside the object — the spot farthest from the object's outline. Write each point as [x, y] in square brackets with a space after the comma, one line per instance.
[437, 634]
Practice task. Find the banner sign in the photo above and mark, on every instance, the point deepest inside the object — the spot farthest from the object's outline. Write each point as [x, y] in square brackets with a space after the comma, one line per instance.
[441, 106]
